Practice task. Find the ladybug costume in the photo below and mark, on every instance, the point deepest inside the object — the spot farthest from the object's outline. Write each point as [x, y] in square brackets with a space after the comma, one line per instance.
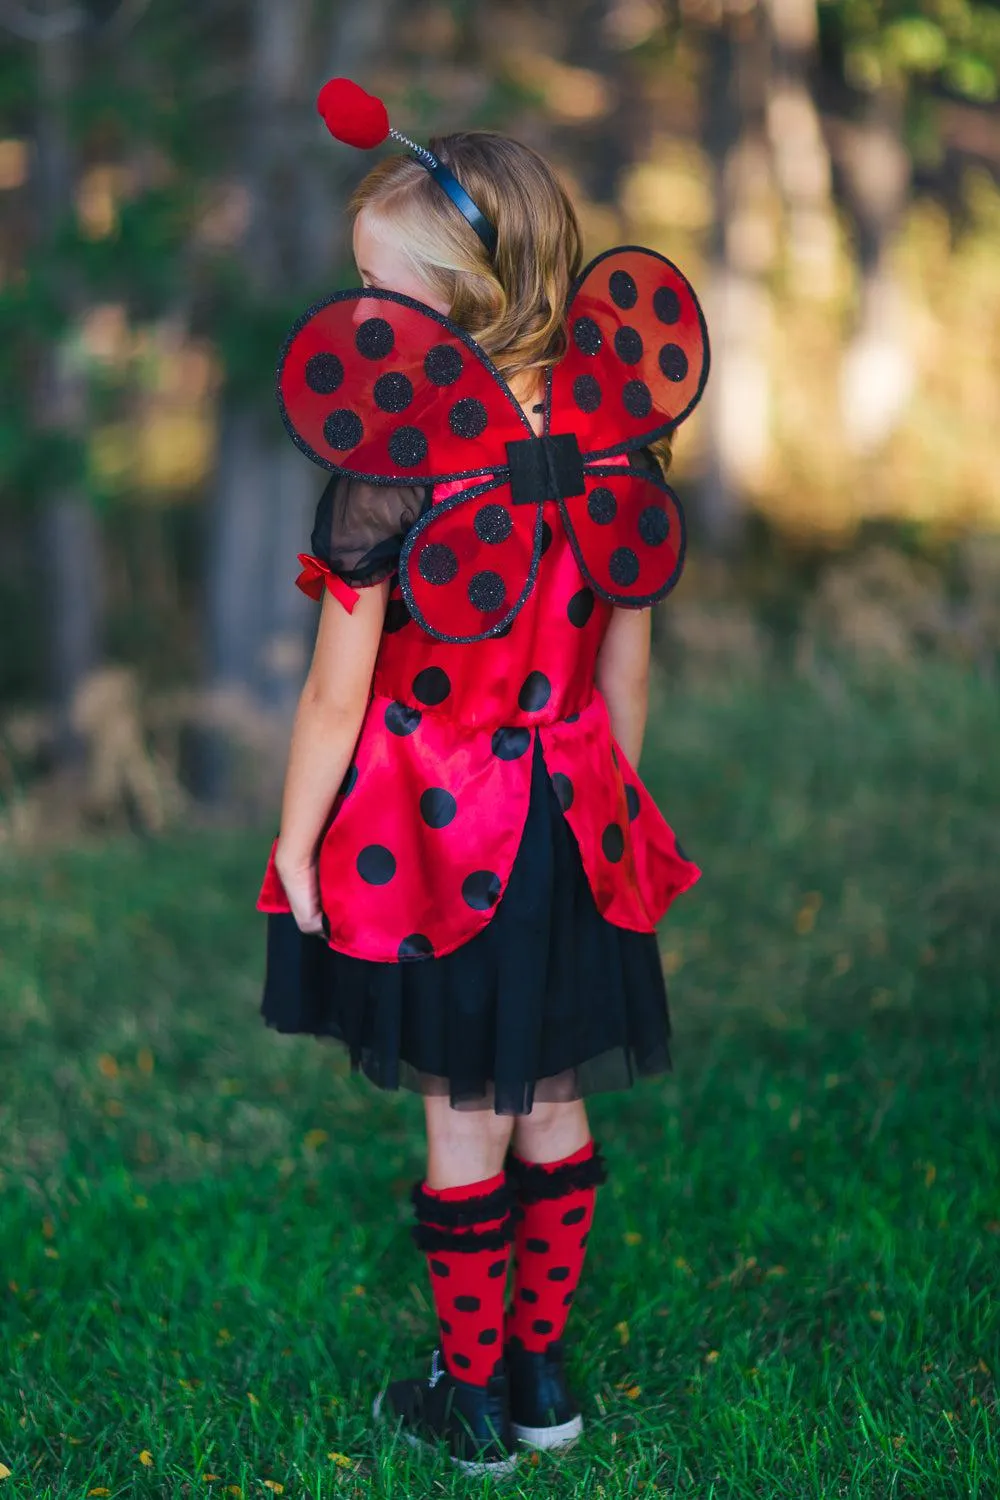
[492, 870]
[486, 789]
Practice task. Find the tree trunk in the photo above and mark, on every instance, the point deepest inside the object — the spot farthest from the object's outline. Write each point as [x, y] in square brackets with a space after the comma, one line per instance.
[738, 306]
[877, 372]
[70, 534]
[799, 150]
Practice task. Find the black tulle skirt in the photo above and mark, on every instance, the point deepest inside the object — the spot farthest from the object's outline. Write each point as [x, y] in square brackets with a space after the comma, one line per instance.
[548, 1002]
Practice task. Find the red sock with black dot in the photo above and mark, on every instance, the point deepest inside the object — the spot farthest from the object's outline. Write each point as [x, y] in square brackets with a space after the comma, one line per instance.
[466, 1234]
[556, 1200]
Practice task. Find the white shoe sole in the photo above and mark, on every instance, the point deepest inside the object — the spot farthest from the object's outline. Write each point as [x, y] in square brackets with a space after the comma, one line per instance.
[500, 1468]
[549, 1438]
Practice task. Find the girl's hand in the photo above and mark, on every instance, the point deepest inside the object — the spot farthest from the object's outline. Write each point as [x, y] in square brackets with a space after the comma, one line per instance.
[301, 883]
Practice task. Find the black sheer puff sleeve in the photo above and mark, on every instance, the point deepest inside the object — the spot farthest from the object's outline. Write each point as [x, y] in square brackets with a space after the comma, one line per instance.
[360, 527]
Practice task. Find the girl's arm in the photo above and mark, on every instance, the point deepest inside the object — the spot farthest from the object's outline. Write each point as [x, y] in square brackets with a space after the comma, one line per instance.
[622, 677]
[327, 723]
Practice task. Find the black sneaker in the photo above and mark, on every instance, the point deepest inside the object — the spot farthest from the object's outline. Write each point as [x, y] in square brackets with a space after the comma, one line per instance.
[473, 1420]
[542, 1411]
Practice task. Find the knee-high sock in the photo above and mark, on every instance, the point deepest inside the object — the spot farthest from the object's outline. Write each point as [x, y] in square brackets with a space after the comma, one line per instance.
[466, 1234]
[556, 1203]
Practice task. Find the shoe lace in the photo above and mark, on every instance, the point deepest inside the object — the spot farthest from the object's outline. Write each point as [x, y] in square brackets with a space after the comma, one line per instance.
[437, 1369]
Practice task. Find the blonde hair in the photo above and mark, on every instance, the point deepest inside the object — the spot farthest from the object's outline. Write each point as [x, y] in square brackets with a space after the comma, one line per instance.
[512, 304]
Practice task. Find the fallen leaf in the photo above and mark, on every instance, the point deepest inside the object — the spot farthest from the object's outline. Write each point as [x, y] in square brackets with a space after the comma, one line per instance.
[52, 1254]
[930, 1174]
[108, 1068]
[272, 1484]
[622, 1331]
[633, 1238]
[776, 1271]
[983, 1367]
[99, 1490]
[140, 1200]
[48, 1228]
[876, 1314]
[145, 1061]
[634, 1392]
[146, 1458]
[314, 1138]
[252, 1399]
[224, 1337]
[341, 1460]
[711, 1356]
[210, 1478]
[898, 1442]
[4, 1472]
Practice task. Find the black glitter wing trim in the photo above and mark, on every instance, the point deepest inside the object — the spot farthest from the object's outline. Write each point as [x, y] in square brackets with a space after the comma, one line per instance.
[627, 536]
[595, 389]
[423, 531]
[410, 399]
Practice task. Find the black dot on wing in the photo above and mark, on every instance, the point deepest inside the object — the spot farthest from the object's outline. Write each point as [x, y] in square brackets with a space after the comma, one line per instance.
[437, 563]
[628, 345]
[580, 607]
[493, 523]
[654, 525]
[673, 362]
[546, 538]
[602, 507]
[431, 686]
[632, 802]
[443, 364]
[374, 338]
[613, 842]
[623, 566]
[666, 304]
[536, 690]
[563, 788]
[393, 392]
[415, 946]
[511, 743]
[343, 429]
[407, 447]
[481, 890]
[376, 865]
[622, 287]
[636, 398]
[487, 591]
[437, 807]
[587, 336]
[396, 616]
[324, 372]
[347, 785]
[401, 718]
[468, 418]
[587, 392]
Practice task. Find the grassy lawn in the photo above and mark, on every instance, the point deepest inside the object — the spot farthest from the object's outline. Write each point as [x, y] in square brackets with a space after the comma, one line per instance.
[205, 1269]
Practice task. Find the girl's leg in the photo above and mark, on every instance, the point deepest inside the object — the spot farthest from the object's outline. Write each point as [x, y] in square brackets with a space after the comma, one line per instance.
[555, 1170]
[465, 1227]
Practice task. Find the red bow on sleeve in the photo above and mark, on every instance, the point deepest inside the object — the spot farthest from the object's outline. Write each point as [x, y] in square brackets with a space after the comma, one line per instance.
[315, 574]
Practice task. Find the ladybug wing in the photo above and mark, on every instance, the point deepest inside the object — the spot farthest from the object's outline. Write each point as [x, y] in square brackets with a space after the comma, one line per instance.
[470, 562]
[638, 354]
[379, 386]
[628, 535]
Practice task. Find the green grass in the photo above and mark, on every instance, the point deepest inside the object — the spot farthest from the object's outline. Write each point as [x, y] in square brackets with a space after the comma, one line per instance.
[792, 1281]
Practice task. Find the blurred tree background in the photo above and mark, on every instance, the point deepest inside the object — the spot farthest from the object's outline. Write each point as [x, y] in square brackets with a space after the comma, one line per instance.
[825, 171]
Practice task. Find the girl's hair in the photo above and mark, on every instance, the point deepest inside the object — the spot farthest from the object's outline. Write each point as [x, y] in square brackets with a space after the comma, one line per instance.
[514, 304]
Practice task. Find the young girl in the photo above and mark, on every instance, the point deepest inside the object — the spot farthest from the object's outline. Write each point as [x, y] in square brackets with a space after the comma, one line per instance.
[469, 871]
